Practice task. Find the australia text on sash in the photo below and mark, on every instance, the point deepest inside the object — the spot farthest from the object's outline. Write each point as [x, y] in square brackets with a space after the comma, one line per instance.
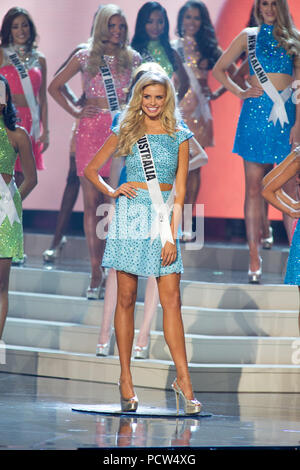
[146, 157]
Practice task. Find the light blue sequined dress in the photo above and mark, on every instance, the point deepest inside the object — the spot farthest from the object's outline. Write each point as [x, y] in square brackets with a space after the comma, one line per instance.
[257, 139]
[292, 275]
[129, 247]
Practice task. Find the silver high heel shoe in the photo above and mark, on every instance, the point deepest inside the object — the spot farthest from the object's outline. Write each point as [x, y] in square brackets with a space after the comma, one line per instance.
[191, 407]
[50, 255]
[267, 242]
[128, 404]
[94, 293]
[102, 349]
[254, 277]
[140, 352]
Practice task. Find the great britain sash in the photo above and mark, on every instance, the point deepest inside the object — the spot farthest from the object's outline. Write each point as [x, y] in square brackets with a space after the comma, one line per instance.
[110, 89]
[161, 224]
[278, 111]
[7, 205]
[28, 91]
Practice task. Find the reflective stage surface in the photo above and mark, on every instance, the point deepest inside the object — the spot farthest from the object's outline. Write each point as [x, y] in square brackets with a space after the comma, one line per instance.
[36, 414]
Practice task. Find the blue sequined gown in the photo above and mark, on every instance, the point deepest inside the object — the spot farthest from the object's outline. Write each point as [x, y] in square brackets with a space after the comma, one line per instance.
[128, 246]
[257, 139]
[292, 275]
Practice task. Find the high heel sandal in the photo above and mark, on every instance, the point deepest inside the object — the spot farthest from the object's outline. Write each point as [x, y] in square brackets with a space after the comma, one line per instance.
[254, 277]
[102, 349]
[94, 293]
[128, 404]
[141, 352]
[191, 407]
[267, 242]
[50, 255]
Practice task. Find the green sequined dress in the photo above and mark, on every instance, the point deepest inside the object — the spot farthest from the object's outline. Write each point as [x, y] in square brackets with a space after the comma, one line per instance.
[11, 229]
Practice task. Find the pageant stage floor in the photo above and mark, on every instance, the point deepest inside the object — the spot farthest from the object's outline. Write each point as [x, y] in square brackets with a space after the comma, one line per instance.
[36, 414]
[240, 341]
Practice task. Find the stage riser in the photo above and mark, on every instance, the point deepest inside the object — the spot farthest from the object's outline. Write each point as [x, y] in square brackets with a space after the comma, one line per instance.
[231, 257]
[194, 294]
[200, 349]
[221, 378]
[196, 320]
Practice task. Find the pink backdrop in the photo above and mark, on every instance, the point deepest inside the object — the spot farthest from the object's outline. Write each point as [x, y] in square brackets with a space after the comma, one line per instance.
[62, 24]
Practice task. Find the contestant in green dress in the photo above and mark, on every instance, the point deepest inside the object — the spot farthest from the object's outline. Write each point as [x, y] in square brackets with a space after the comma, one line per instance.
[14, 141]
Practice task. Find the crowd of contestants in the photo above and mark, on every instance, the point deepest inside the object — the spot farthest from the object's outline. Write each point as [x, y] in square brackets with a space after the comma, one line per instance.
[181, 67]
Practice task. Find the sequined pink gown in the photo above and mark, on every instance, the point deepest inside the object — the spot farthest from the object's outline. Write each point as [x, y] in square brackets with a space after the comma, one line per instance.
[23, 113]
[195, 107]
[93, 132]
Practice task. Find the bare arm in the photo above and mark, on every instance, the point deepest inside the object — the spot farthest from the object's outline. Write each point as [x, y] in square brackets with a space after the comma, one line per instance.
[180, 184]
[56, 87]
[295, 131]
[274, 181]
[66, 90]
[101, 157]
[44, 138]
[229, 57]
[183, 78]
[24, 147]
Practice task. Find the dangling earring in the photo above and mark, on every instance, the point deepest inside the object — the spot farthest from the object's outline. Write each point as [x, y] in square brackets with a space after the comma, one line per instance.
[140, 112]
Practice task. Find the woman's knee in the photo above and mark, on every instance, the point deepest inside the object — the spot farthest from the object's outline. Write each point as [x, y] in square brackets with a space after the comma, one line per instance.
[126, 299]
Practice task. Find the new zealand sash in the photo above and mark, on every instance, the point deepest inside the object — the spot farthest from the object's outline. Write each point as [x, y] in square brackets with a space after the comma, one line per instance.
[278, 111]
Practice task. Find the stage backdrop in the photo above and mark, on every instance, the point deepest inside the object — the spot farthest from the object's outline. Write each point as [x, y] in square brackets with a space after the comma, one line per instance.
[62, 24]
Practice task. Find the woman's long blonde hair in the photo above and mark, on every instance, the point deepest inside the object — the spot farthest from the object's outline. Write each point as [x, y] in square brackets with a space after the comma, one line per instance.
[132, 120]
[284, 29]
[99, 38]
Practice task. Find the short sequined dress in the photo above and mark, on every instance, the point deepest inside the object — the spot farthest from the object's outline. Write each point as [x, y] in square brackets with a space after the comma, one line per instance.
[292, 275]
[91, 133]
[129, 247]
[257, 139]
[11, 230]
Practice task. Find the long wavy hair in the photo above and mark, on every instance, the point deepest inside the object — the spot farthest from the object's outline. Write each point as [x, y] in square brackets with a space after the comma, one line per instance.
[8, 19]
[9, 112]
[284, 29]
[132, 120]
[141, 39]
[205, 38]
[100, 36]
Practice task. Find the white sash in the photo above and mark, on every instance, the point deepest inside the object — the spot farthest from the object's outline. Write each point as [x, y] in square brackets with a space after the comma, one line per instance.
[28, 92]
[110, 90]
[7, 205]
[202, 108]
[278, 111]
[161, 224]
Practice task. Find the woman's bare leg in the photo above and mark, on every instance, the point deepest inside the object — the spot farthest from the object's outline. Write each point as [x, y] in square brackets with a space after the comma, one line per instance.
[255, 210]
[169, 294]
[110, 301]
[124, 328]
[5, 264]
[150, 308]
[92, 198]
[67, 204]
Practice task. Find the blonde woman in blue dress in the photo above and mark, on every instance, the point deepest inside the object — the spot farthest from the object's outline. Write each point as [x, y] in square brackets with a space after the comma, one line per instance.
[14, 141]
[152, 115]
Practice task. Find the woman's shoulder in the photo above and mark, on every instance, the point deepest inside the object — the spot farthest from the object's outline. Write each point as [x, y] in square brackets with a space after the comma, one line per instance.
[183, 132]
[82, 55]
